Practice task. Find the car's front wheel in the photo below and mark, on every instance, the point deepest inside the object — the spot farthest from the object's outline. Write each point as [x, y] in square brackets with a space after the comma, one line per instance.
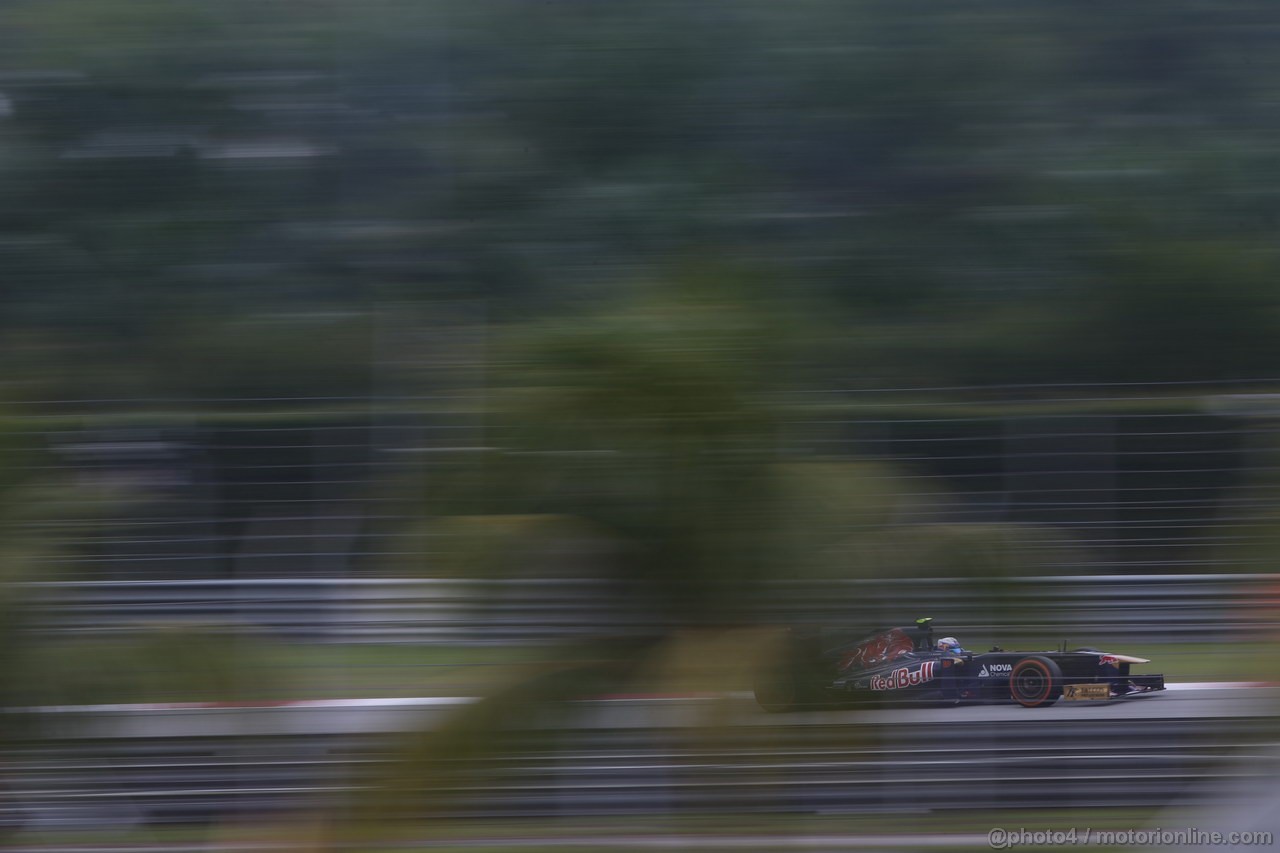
[1035, 682]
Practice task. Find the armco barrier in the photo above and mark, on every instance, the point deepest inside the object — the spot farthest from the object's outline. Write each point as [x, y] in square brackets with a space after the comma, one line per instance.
[1087, 609]
[639, 757]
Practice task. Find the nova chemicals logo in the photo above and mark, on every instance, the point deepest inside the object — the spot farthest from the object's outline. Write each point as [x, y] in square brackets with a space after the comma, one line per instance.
[903, 677]
[992, 670]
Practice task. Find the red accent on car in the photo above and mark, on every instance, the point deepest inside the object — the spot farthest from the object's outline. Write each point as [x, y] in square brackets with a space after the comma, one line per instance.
[880, 648]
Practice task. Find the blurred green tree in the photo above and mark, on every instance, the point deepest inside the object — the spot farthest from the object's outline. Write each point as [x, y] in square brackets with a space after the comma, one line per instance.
[932, 174]
[656, 423]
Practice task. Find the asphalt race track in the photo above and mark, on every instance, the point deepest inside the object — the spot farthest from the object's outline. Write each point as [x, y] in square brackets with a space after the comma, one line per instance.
[154, 764]
[1178, 701]
[368, 716]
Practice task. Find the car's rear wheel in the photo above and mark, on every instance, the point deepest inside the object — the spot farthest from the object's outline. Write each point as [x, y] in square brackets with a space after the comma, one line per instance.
[789, 686]
[776, 689]
[1035, 682]
[783, 680]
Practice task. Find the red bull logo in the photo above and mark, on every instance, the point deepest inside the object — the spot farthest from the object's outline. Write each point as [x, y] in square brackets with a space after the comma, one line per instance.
[903, 677]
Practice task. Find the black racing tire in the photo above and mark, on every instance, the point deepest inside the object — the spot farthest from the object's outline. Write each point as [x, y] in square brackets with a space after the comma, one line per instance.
[1036, 682]
[784, 678]
[777, 689]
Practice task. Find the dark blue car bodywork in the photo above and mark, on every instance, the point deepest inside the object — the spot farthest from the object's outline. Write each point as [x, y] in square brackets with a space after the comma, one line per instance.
[903, 664]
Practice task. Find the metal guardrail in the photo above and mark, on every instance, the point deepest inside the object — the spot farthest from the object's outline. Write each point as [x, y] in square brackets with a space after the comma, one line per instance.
[847, 767]
[1089, 608]
[1085, 609]
[384, 610]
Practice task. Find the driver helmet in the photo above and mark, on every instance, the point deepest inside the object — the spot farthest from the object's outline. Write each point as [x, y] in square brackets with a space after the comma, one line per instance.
[948, 644]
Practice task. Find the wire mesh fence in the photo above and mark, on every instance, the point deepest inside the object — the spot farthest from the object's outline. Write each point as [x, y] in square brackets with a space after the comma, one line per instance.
[231, 515]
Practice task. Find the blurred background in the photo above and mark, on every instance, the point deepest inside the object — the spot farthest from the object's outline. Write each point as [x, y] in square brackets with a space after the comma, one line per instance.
[418, 414]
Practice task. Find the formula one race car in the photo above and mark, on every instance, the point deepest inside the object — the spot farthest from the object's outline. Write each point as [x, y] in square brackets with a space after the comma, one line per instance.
[906, 663]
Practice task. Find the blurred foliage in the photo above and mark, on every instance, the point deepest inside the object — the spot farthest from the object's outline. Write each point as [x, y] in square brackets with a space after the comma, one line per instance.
[266, 357]
[434, 767]
[989, 551]
[150, 663]
[497, 547]
[231, 200]
[983, 193]
[433, 770]
[30, 499]
[646, 442]
[39, 509]
[652, 423]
